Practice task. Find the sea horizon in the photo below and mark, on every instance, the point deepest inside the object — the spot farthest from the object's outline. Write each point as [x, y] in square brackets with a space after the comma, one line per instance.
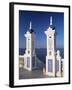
[41, 53]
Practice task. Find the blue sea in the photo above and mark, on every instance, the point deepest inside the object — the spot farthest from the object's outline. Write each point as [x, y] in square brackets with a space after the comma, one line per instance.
[41, 53]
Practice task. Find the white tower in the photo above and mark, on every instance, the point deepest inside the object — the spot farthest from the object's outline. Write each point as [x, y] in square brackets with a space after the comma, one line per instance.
[50, 58]
[30, 56]
[58, 64]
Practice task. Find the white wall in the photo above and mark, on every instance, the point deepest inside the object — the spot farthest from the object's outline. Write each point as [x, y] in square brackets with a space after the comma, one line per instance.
[4, 43]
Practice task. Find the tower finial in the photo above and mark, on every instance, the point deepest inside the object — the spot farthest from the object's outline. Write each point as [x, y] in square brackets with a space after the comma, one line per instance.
[30, 25]
[50, 20]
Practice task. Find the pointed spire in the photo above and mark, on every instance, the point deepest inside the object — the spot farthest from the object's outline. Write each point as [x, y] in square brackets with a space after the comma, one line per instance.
[51, 20]
[30, 27]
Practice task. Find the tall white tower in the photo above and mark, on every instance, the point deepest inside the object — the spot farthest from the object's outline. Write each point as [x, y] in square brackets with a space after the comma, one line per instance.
[50, 58]
[30, 56]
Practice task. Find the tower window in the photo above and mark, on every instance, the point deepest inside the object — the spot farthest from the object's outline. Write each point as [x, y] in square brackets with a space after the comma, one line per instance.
[50, 53]
[28, 51]
[50, 65]
[28, 39]
[49, 36]
[28, 62]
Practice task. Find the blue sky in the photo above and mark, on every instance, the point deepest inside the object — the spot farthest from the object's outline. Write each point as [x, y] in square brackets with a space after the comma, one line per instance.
[40, 23]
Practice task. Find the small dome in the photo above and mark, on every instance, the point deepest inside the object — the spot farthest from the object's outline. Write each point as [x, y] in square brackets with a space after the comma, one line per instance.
[53, 27]
[31, 30]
